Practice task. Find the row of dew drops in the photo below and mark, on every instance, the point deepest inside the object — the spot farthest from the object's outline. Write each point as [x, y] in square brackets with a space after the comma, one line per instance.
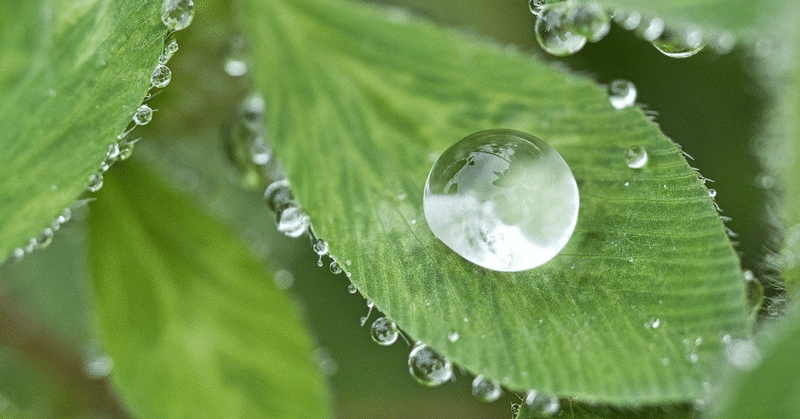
[564, 26]
[176, 15]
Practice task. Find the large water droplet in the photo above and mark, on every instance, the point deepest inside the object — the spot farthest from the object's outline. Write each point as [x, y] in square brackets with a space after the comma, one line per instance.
[292, 221]
[485, 389]
[384, 331]
[161, 76]
[621, 94]
[589, 20]
[335, 268]
[679, 44]
[636, 157]
[429, 367]
[545, 404]
[95, 182]
[177, 14]
[143, 115]
[555, 32]
[502, 199]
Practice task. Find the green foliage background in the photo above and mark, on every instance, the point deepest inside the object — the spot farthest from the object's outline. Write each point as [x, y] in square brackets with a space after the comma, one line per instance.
[716, 107]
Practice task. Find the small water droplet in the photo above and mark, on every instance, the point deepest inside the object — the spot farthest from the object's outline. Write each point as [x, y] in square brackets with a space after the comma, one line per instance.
[235, 62]
[95, 182]
[589, 20]
[621, 94]
[679, 44]
[97, 365]
[743, 354]
[335, 268]
[723, 44]
[555, 32]
[429, 367]
[544, 404]
[161, 76]
[169, 51]
[278, 194]
[712, 193]
[320, 247]
[486, 389]
[692, 357]
[452, 336]
[292, 221]
[283, 279]
[260, 151]
[502, 199]
[665, 360]
[636, 157]
[628, 21]
[653, 323]
[44, 238]
[384, 331]
[177, 14]
[143, 115]
[352, 289]
[650, 29]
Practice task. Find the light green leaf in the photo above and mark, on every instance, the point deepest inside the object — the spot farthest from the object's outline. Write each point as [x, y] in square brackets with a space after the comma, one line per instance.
[359, 99]
[194, 324]
[770, 389]
[71, 76]
[578, 411]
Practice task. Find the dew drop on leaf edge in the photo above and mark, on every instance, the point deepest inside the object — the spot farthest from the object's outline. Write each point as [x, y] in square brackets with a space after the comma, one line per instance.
[143, 115]
[502, 199]
[161, 76]
[177, 14]
[429, 367]
[555, 33]
[384, 331]
[486, 389]
[542, 403]
[621, 94]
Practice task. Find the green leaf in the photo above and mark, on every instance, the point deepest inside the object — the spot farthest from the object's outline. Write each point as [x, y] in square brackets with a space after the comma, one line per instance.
[360, 98]
[578, 411]
[770, 389]
[194, 324]
[71, 76]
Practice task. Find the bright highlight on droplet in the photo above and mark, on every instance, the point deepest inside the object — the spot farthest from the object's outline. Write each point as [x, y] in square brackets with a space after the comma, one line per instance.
[555, 32]
[542, 403]
[502, 199]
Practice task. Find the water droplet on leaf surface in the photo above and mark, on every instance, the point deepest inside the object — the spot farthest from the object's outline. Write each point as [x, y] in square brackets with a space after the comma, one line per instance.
[485, 389]
[636, 157]
[555, 32]
[177, 14]
[278, 194]
[650, 29]
[161, 76]
[453, 336]
[502, 199]
[143, 115]
[169, 51]
[335, 268]
[384, 331]
[320, 247]
[621, 94]
[545, 404]
[429, 367]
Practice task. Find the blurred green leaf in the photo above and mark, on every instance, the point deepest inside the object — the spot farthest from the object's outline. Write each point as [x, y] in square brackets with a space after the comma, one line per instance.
[71, 76]
[358, 100]
[578, 411]
[765, 389]
[195, 325]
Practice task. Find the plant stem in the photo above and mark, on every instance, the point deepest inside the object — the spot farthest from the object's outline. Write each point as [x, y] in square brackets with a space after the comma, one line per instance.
[19, 330]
